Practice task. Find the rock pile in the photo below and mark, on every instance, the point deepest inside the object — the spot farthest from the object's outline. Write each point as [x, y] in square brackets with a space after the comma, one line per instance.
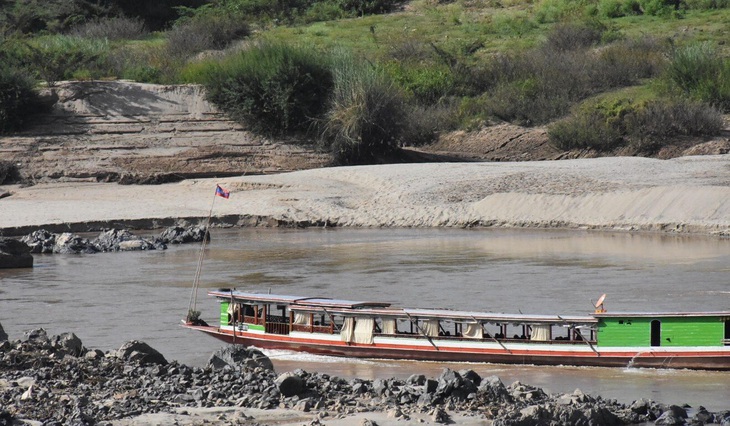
[43, 241]
[57, 381]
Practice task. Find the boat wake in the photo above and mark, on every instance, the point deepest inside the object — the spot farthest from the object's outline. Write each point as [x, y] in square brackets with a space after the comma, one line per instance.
[283, 355]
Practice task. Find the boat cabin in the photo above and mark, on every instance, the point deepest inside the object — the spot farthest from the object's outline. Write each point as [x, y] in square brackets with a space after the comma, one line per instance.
[663, 329]
[360, 321]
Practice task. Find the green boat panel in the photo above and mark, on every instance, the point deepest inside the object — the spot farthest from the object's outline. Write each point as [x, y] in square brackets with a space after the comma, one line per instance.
[224, 313]
[673, 331]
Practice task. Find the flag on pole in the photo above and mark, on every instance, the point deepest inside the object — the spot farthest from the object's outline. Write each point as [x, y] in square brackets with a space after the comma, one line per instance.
[222, 192]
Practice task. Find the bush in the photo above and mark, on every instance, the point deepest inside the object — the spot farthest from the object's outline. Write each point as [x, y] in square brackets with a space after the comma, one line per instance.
[273, 88]
[365, 119]
[17, 98]
[58, 57]
[658, 122]
[574, 36]
[428, 83]
[700, 72]
[424, 123]
[646, 127]
[117, 28]
[204, 32]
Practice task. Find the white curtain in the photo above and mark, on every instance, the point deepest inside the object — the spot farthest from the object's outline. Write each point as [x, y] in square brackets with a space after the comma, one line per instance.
[389, 326]
[364, 331]
[347, 334]
[473, 330]
[302, 319]
[541, 332]
[431, 327]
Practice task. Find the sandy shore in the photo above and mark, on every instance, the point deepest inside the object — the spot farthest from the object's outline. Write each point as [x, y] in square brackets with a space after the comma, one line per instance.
[688, 194]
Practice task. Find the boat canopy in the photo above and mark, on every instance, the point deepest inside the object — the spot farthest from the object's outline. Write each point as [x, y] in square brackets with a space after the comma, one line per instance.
[295, 301]
[661, 314]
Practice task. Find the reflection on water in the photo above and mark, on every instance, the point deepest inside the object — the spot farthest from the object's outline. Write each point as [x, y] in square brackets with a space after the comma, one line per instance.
[108, 299]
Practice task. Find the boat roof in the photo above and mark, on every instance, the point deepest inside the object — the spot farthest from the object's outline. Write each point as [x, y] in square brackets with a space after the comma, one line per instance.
[322, 302]
[661, 314]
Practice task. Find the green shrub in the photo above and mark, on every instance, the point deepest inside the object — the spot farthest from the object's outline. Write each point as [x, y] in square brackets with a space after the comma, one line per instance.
[707, 4]
[700, 72]
[58, 57]
[427, 83]
[597, 125]
[17, 98]
[365, 119]
[424, 123]
[205, 31]
[273, 88]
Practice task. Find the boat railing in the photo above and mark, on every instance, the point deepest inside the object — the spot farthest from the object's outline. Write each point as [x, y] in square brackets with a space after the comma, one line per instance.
[276, 324]
[726, 342]
[324, 329]
[490, 339]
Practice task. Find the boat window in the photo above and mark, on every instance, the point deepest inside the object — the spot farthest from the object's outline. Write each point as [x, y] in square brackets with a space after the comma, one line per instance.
[727, 329]
[389, 326]
[430, 327]
[363, 332]
[541, 332]
[473, 330]
[656, 333]
[302, 318]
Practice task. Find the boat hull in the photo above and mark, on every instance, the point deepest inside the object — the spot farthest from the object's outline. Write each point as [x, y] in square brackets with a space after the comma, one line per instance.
[575, 354]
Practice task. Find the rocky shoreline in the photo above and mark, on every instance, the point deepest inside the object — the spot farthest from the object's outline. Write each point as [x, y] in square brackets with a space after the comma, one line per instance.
[54, 380]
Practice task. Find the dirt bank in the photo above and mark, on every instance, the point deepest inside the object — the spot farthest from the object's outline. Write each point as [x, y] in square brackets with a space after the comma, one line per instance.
[688, 194]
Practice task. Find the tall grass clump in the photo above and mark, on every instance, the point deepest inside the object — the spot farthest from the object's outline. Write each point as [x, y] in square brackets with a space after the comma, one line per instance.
[365, 119]
[273, 88]
[62, 57]
[17, 97]
[700, 72]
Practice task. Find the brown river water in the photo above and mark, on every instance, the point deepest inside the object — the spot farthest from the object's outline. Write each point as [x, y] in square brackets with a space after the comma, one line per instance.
[110, 298]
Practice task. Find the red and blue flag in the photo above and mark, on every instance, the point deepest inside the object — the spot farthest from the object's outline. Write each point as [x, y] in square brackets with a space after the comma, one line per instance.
[222, 192]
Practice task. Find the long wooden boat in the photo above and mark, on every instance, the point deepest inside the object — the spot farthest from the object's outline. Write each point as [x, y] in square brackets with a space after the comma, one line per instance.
[362, 329]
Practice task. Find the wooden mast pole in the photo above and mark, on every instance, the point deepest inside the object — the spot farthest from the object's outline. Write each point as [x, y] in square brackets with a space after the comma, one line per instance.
[193, 304]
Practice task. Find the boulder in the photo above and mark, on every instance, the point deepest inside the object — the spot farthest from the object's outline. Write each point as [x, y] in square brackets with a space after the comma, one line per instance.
[40, 241]
[181, 235]
[14, 254]
[68, 343]
[290, 384]
[122, 240]
[3, 334]
[37, 337]
[238, 356]
[140, 352]
[68, 243]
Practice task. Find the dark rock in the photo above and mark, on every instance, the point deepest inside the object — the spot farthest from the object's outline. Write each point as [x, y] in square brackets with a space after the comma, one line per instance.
[68, 243]
[494, 389]
[290, 384]
[181, 235]
[3, 334]
[141, 352]
[472, 376]
[68, 343]
[702, 416]
[40, 241]
[238, 356]
[37, 337]
[121, 240]
[678, 411]
[669, 419]
[15, 254]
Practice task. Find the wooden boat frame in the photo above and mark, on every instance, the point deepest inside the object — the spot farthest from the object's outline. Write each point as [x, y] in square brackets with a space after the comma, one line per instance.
[321, 326]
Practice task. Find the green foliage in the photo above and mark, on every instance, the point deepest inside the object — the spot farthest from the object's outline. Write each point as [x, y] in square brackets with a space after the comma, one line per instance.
[699, 72]
[17, 97]
[58, 57]
[275, 89]
[50, 16]
[426, 83]
[646, 126]
[365, 119]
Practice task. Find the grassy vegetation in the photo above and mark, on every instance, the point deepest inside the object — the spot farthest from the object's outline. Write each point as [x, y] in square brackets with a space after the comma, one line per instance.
[372, 77]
